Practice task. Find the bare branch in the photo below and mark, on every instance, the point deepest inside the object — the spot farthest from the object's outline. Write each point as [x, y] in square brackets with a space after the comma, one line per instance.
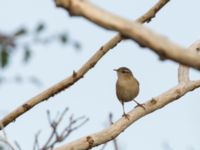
[145, 37]
[57, 137]
[76, 75]
[183, 73]
[36, 142]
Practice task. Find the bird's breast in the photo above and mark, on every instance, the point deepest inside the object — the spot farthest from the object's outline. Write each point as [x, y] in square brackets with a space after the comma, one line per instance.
[127, 90]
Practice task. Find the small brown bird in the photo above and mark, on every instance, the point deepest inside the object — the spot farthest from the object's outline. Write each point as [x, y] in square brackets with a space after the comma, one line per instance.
[127, 86]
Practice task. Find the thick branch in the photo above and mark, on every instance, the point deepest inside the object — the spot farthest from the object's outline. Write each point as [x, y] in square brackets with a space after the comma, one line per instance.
[142, 35]
[76, 75]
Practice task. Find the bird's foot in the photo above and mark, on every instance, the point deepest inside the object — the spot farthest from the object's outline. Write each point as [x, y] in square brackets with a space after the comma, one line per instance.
[126, 116]
[140, 105]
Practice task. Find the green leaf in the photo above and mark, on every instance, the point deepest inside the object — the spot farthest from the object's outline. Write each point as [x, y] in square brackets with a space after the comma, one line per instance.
[20, 32]
[4, 57]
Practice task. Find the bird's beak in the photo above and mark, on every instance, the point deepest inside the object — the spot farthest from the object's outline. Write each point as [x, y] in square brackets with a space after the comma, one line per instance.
[114, 69]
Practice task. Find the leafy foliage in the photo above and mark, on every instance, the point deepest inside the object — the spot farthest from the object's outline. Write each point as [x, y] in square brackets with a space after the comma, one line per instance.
[20, 39]
[4, 57]
[23, 40]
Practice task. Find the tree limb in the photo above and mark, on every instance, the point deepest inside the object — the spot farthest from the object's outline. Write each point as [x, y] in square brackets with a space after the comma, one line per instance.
[145, 37]
[50, 92]
[183, 71]
[137, 113]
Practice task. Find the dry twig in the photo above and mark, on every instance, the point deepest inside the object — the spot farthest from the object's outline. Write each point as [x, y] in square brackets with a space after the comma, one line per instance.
[183, 71]
[56, 136]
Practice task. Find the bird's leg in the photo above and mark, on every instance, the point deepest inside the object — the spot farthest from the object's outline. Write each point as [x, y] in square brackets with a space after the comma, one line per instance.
[124, 114]
[123, 109]
[139, 105]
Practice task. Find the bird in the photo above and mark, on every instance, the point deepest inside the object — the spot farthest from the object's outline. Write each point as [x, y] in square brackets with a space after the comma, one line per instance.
[127, 87]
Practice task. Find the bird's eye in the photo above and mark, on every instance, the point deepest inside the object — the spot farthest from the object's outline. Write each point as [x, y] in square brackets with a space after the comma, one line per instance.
[125, 71]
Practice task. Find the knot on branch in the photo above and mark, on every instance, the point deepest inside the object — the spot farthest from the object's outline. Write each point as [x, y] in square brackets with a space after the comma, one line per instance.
[153, 101]
[90, 141]
[26, 106]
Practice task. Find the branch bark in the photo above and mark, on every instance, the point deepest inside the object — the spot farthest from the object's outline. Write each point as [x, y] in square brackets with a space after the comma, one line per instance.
[62, 85]
[183, 71]
[137, 113]
[145, 37]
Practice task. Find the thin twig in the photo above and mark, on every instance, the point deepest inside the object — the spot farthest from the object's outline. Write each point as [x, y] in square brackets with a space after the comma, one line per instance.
[36, 145]
[183, 71]
[57, 137]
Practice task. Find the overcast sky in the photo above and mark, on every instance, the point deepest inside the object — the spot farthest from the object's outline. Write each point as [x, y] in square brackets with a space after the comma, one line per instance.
[176, 126]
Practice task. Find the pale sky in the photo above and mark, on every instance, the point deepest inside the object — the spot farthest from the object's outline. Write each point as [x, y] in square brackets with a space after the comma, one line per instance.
[176, 125]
